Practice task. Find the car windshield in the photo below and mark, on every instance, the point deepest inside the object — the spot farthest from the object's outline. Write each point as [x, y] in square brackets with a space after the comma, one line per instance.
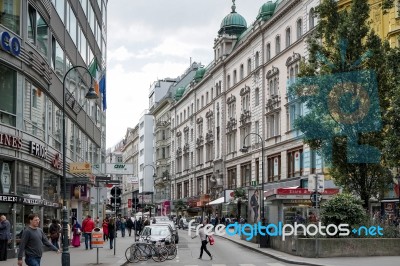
[155, 231]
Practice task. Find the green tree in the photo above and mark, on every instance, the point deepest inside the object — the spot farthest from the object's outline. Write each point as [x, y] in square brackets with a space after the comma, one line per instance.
[239, 195]
[344, 56]
[343, 209]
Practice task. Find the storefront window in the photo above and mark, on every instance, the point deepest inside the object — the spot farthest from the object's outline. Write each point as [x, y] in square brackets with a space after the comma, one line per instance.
[50, 187]
[10, 14]
[28, 178]
[6, 180]
[34, 111]
[8, 92]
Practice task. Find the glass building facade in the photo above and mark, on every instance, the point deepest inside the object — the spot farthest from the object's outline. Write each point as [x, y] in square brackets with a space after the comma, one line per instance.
[40, 41]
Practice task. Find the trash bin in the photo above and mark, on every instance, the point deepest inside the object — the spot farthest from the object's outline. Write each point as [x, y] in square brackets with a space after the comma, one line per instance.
[97, 237]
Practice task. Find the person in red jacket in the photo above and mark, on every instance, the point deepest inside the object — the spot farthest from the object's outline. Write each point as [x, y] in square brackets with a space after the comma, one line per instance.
[87, 228]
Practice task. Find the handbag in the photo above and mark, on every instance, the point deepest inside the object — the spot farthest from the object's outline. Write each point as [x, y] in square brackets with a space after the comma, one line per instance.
[78, 231]
[211, 240]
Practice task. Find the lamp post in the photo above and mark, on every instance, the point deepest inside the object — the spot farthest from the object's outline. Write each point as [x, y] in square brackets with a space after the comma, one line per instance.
[154, 176]
[167, 178]
[91, 94]
[246, 149]
[398, 189]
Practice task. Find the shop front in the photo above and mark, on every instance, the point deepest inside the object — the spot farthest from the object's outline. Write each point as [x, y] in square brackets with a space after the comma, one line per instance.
[283, 204]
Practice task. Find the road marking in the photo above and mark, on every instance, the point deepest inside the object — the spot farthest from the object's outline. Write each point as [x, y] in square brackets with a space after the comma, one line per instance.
[275, 264]
[246, 265]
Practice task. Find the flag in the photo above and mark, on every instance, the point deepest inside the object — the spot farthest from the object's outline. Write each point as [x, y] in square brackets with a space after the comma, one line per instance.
[93, 70]
[103, 91]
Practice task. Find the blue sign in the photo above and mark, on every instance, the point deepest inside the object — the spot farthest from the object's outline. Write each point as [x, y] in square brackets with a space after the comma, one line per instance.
[11, 45]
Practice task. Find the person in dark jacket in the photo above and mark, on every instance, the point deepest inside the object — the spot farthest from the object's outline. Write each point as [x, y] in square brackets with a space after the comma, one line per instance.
[5, 236]
[54, 231]
[111, 232]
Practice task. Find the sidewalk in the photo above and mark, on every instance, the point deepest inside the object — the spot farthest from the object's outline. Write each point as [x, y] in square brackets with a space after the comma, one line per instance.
[80, 257]
[334, 261]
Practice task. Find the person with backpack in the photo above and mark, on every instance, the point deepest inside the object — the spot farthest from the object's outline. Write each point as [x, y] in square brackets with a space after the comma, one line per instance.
[54, 231]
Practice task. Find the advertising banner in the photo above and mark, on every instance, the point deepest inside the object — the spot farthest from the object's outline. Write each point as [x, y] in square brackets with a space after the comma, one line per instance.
[254, 206]
[119, 168]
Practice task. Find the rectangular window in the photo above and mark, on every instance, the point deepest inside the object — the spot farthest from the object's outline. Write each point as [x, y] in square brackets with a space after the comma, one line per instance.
[274, 168]
[38, 31]
[232, 178]
[57, 59]
[59, 5]
[295, 163]
[8, 99]
[245, 173]
[10, 14]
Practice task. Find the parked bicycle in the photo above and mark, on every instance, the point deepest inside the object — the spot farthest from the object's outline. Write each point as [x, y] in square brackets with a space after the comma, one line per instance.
[142, 251]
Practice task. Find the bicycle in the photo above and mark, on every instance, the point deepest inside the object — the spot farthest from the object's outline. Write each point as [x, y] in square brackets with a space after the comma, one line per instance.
[172, 250]
[143, 251]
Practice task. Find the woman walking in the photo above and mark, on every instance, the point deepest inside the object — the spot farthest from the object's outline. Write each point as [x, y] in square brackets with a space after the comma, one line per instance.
[105, 229]
[111, 232]
[76, 234]
[203, 239]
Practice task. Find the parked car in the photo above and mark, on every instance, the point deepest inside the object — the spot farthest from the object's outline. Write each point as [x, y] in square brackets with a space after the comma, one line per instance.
[156, 232]
[173, 226]
[183, 223]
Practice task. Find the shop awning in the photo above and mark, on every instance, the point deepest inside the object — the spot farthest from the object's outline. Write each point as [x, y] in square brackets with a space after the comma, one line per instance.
[217, 201]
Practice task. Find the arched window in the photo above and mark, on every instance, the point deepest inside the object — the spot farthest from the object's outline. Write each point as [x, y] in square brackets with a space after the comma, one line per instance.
[268, 52]
[228, 81]
[248, 66]
[311, 17]
[257, 59]
[241, 71]
[234, 77]
[299, 27]
[277, 45]
[288, 41]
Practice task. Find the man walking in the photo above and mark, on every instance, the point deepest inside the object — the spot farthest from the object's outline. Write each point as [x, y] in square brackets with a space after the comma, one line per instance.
[5, 236]
[87, 228]
[32, 240]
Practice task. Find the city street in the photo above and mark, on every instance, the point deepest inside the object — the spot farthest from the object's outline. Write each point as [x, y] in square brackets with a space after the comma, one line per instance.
[224, 253]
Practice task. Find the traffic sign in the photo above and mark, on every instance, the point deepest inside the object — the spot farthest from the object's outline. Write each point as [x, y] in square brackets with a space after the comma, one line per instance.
[320, 183]
[113, 182]
[314, 197]
[103, 178]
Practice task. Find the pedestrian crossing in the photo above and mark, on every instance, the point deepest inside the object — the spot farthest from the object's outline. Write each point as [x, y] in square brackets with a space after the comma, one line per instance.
[266, 264]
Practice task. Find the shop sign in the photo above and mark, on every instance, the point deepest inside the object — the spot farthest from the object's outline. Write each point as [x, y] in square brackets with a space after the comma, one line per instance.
[10, 44]
[10, 141]
[28, 201]
[5, 178]
[6, 198]
[303, 191]
[80, 168]
[37, 150]
[119, 168]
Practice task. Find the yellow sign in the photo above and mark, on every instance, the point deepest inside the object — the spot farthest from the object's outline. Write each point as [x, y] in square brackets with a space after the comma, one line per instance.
[80, 168]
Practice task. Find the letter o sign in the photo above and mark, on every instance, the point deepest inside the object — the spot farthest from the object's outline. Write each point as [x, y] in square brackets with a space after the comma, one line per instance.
[9, 44]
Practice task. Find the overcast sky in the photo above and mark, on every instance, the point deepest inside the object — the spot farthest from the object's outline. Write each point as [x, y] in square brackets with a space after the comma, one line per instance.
[154, 39]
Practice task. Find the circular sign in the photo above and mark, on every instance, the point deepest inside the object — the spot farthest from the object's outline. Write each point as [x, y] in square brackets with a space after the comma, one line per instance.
[314, 197]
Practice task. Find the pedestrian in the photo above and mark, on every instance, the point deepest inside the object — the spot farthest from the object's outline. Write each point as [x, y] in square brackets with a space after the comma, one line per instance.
[54, 231]
[111, 232]
[129, 225]
[87, 228]
[32, 240]
[76, 234]
[203, 239]
[105, 229]
[123, 226]
[5, 237]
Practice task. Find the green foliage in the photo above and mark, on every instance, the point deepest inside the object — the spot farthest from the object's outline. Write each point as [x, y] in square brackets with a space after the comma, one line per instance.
[240, 194]
[180, 205]
[343, 209]
[349, 46]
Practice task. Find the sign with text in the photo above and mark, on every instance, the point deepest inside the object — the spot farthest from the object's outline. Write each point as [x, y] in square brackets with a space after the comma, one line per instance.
[80, 168]
[132, 179]
[119, 168]
[5, 178]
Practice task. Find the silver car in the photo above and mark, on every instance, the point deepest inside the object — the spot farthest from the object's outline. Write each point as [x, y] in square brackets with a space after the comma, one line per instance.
[173, 226]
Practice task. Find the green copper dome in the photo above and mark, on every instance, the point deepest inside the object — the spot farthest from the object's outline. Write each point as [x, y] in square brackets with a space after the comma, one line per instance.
[267, 10]
[233, 23]
[199, 74]
[179, 92]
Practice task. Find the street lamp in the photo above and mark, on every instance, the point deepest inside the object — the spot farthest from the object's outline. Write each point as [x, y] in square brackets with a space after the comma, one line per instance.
[91, 94]
[245, 149]
[398, 189]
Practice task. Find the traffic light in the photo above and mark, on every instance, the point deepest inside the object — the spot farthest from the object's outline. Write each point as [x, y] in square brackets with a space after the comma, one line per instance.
[115, 200]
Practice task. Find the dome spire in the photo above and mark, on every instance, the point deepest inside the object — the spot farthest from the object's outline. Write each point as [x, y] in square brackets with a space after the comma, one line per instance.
[233, 6]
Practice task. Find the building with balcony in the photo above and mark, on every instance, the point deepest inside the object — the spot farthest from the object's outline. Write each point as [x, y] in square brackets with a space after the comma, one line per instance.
[41, 41]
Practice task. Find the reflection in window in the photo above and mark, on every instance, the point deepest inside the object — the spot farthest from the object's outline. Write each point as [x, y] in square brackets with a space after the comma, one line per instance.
[38, 31]
[10, 14]
[34, 111]
[57, 59]
[59, 5]
[8, 99]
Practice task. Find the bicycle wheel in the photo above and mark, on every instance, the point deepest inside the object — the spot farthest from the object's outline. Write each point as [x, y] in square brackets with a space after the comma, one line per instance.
[160, 254]
[143, 252]
[130, 254]
[172, 252]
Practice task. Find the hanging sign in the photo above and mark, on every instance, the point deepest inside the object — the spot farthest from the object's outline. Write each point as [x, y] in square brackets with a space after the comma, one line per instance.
[6, 178]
